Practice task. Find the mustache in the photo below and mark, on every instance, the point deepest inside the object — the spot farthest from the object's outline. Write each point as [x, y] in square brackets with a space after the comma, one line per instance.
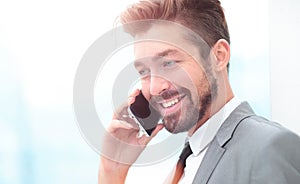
[168, 94]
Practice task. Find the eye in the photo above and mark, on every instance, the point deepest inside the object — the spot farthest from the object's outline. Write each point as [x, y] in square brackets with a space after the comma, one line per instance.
[144, 72]
[169, 63]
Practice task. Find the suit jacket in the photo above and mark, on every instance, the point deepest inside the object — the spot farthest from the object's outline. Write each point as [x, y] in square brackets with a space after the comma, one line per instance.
[251, 149]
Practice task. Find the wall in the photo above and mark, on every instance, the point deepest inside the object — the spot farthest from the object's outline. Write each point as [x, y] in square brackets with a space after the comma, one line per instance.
[285, 62]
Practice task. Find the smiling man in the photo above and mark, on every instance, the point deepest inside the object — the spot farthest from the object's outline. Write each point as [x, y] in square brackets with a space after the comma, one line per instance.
[174, 80]
[182, 54]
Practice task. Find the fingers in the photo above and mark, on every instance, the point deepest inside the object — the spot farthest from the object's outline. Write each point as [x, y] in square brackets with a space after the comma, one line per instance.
[158, 128]
[120, 124]
[122, 120]
[144, 140]
[122, 110]
[131, 98]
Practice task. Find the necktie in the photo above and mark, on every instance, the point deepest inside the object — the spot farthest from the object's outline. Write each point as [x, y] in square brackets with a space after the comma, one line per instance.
[181, 162]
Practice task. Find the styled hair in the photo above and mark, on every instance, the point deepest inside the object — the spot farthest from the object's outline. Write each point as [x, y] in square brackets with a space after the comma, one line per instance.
[204, 17]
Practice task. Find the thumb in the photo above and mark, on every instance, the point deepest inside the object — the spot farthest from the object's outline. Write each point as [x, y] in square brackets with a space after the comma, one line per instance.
[158, 128]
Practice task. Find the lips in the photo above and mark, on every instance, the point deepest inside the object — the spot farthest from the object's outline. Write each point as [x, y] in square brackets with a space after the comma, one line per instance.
[171, 105]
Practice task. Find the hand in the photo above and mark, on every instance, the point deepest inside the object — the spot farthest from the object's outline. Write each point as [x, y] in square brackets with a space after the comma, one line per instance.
[121, 145]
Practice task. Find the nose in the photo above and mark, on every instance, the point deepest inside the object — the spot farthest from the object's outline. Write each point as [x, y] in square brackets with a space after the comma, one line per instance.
[158, 84]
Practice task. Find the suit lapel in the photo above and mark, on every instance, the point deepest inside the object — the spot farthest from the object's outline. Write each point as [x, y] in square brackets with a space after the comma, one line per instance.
[216, 148]
[209, 163]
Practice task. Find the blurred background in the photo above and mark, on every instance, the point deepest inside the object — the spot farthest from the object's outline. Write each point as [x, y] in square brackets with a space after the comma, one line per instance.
[41, 45]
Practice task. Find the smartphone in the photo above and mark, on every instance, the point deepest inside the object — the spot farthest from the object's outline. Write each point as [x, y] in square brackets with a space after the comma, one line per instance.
[145, 116]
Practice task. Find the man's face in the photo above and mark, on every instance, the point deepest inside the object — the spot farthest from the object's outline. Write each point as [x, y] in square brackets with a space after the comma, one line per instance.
[174, 81]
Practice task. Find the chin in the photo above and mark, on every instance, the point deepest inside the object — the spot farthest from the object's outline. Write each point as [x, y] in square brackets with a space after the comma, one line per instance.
[174, 126]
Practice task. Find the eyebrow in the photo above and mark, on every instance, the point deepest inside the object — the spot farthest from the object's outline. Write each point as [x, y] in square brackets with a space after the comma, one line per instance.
[167, 52]
[139, 62]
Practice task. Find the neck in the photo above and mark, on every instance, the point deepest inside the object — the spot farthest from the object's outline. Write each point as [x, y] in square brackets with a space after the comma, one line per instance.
[215, 106]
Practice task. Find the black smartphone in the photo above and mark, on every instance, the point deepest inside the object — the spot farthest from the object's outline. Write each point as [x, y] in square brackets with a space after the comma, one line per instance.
[144, 115]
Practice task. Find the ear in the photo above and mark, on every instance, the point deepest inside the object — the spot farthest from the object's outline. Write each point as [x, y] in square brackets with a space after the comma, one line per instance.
[221, 51]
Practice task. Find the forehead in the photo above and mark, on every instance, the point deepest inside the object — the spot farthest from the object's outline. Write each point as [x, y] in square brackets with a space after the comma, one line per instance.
[161, 41]
[156, 49]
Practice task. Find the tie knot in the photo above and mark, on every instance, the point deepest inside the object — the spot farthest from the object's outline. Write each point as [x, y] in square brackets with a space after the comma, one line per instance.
[186, 152]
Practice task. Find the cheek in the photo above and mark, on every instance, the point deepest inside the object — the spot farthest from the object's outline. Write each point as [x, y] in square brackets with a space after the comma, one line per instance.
[197, 85]
[180, 77]
[190, 79]
[146, 89]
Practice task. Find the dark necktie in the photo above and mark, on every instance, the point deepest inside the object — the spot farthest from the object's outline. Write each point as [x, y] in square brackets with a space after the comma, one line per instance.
[181, 162]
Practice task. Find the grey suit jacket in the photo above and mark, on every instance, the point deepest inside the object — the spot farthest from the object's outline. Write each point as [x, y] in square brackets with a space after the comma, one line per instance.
[251, 149]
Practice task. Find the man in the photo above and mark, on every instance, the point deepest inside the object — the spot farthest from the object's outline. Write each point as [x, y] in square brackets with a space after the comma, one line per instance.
[186, 80]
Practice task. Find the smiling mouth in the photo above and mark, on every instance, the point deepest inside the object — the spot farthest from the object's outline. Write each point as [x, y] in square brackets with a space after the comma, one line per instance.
[172, 102]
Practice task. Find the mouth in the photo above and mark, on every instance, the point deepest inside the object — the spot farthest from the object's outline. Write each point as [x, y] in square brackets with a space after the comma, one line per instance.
[171, 105]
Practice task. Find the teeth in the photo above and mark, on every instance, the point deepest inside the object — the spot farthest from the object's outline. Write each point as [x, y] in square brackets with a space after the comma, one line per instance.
[170, 103]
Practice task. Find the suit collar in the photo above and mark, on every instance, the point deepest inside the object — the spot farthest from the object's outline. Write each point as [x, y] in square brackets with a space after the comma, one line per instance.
[227, 129]
[216, 148]
[206, 132]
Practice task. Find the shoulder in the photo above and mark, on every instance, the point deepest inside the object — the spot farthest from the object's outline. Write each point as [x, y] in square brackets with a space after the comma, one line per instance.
[261, 126]
[267, 133]
[275, 150]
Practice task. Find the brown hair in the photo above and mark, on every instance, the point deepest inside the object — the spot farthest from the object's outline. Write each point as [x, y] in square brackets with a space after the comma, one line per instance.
[205, 17]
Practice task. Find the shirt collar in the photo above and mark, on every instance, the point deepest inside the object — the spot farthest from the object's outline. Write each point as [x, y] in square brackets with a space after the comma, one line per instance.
[205, 134]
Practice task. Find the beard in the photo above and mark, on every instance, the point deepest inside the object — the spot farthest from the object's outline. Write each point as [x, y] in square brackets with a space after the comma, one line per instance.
[188, 116]
[191, 111]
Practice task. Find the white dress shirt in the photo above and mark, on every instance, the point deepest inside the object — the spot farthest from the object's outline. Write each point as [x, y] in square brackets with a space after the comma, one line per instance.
[200, 140]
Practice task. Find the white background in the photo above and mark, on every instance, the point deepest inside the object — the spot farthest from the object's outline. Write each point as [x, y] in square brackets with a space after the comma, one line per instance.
[42, 42]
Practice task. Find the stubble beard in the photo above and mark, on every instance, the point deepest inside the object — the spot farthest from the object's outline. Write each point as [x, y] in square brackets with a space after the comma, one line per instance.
[189, 114]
